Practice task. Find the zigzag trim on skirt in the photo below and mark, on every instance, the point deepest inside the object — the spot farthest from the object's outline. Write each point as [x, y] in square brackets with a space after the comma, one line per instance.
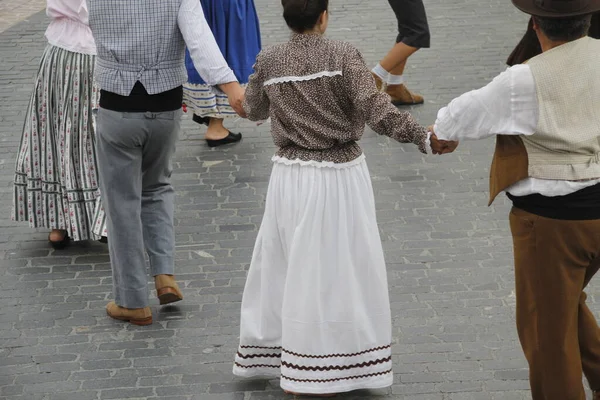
[336, 367]
[274, 355]
[337, 355]
[256, 366]
[337, 379]
[260, 347]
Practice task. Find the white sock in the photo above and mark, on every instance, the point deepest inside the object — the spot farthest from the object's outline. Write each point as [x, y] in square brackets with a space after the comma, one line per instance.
[395, 79]
[380, 72]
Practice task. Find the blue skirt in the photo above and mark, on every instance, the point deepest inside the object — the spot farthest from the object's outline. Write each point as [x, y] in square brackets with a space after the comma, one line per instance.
[234, 24]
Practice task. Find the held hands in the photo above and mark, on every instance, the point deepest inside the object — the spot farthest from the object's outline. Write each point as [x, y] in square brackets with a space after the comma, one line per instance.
[441, 146]
[235, 94]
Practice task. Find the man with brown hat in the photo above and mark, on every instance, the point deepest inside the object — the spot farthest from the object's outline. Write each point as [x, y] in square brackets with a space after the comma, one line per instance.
[545, 116]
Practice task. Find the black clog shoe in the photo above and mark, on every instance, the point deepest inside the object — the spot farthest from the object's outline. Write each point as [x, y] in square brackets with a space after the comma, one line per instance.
[231, 138]
[60, 244]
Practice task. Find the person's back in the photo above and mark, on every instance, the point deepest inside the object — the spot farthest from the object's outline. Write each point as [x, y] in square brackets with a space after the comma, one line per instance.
[236, 28]
[54, 186]
[311, 108]
[143, 44]
[319, 240]
[319, 94]
[141, 49]
[544, 115]
[566, 143]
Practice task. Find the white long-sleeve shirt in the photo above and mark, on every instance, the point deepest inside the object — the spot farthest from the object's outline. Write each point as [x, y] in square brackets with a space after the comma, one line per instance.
[506, 106]
[201, 43]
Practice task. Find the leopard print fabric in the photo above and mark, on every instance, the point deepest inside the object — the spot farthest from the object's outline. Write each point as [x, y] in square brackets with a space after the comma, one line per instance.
[319, 94]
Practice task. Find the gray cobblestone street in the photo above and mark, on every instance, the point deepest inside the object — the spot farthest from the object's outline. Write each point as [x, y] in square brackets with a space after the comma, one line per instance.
[449, 256]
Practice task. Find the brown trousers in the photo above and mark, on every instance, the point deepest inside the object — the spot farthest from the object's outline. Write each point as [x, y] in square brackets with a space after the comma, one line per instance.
[554, 262]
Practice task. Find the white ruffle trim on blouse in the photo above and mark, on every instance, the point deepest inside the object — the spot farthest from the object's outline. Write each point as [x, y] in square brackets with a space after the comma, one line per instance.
[319, 164]
[283, 79]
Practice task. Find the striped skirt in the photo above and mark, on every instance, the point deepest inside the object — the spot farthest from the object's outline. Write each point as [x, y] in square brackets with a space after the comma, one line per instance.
[204, 101]
[56, 175]
[315, 309]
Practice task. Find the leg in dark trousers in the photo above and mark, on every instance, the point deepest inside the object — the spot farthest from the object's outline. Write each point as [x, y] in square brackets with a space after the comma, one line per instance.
[589, 336]
[554, 260]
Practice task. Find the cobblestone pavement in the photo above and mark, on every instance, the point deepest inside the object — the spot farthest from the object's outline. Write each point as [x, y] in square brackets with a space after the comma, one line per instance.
[12, 12]
[449, 256]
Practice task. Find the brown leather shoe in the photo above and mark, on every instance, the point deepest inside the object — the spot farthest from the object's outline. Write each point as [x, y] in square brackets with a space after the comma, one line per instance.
[167, 289]
[136, 316]
[378, 81]
[401, 96]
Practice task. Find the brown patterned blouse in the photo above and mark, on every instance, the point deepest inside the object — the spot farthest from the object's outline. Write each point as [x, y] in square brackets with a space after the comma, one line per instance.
[319, 94]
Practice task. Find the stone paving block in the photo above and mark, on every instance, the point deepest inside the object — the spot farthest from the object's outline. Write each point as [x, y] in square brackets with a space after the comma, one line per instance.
[79, 395]
[137, 393]
[46, 387]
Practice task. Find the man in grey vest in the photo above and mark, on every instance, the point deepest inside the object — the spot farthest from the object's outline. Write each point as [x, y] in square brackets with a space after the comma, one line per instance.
[546, 120]
[140, 69]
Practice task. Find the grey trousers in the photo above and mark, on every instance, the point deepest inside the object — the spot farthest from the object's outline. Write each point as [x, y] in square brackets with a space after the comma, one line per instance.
[134, 161]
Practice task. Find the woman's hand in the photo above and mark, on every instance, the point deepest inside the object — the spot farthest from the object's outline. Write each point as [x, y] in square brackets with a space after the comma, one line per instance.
[441, 146]
[235, 94]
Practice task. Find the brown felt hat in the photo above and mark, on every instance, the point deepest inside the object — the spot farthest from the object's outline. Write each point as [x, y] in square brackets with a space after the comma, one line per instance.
[557, 8]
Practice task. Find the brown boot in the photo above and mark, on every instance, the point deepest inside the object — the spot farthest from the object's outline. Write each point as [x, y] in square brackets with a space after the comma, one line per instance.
[378, 81]
[136, 316]
[401, 96]
[167, 289]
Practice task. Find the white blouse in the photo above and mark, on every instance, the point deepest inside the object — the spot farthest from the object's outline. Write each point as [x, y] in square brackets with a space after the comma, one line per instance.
[69, 26]
[506, 106]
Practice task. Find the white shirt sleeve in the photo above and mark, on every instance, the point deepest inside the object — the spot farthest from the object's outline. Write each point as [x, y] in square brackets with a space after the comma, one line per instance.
[506, 106]
[203, 48]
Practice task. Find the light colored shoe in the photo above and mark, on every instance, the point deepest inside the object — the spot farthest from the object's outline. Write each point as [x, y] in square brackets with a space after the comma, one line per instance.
[401, 96]
[136, 316]
[167, 289]
[378, 81]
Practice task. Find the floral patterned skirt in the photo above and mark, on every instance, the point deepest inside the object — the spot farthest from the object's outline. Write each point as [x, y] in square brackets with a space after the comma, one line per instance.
[204, 101]
[56, 174]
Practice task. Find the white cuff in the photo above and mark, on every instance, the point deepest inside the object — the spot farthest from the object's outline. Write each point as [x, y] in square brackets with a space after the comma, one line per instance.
[428, 143]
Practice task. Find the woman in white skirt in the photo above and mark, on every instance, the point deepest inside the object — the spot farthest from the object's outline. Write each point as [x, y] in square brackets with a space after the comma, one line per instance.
[315, 309]
[56, 176]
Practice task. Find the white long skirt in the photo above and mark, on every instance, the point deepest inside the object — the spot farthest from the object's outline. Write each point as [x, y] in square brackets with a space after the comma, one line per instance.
[315, 309]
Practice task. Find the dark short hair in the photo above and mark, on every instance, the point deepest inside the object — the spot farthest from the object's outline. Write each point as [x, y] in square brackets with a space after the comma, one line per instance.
[564, 29]
[303, 15]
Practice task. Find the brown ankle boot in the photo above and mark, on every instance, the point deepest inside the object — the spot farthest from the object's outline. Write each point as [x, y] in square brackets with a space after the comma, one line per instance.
[401, 96]
[378, 81]
[167, 289]
[136, 316]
